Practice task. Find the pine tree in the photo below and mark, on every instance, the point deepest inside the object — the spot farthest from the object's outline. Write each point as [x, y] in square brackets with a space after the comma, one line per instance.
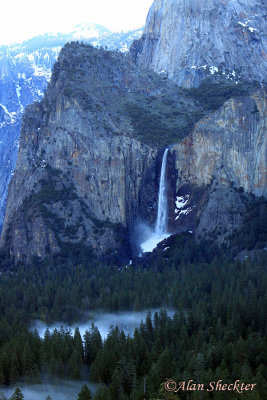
[167, 395]
[165, 367]
[6, 356]
[85, 393]
[149, 327]
[102, 394]
[78, 344]
[75, 364]
[14, 374]
[124, 377]
[92, 344]
[27, 360]
[2, 378]
[17, 395]
[141, 354]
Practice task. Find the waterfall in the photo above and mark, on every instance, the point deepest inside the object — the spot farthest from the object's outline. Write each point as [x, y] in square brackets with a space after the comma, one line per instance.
[162, 215]
[160, 231]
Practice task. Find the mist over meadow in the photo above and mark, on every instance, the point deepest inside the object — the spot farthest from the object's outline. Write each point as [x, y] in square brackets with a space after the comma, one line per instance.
[125, 320]
[58, 390]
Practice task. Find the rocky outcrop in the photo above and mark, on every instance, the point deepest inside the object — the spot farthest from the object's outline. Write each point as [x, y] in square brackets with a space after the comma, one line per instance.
[90, 157]
[189, 39]
[223, 158]
[25, 70]
[229, 146]
[85, 166]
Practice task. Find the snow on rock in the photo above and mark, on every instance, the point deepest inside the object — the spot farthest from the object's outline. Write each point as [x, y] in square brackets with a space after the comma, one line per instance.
[18, 89]
[180, 203]
[31, 57]
[38, 71]
[245, 25]
[201, 67]
[22, 76]
[124, 48]
[11, 115]
[213, 70]
[185, 212]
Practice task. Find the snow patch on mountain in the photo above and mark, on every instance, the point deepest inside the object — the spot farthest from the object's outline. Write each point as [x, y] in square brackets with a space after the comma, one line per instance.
[181, 203]
[18, 90]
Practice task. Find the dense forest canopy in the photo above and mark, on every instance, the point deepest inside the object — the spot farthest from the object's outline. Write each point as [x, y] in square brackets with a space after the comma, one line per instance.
[218, 330]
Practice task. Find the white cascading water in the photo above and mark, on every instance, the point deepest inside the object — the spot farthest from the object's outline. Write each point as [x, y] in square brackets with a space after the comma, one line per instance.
[161, 223]
[160, 231]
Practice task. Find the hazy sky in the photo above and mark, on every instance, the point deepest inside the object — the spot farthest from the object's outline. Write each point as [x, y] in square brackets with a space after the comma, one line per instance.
[22, 19]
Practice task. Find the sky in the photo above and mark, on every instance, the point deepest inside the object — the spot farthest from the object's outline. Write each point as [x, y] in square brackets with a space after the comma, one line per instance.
[23, 19]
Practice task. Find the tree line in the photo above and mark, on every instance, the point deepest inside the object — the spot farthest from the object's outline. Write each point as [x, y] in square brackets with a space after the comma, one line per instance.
[217, 332]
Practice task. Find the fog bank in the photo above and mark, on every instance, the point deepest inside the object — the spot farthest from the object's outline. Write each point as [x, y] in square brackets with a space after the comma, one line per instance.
[125, 320]
[61, 390]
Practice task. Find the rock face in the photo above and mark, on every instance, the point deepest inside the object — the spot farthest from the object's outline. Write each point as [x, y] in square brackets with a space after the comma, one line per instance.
[25, 70]
[229, 145]
[90, 157]
[84, 171]
[226, 156]
[189, 39]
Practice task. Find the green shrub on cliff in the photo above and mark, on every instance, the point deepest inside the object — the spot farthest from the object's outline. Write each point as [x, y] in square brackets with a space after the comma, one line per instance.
[212, 94]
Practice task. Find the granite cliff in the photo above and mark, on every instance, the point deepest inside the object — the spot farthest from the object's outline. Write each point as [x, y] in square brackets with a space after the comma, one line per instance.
[90, 157]
[190, 39]
[217, 168]
[25, 71]
[87, 156]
